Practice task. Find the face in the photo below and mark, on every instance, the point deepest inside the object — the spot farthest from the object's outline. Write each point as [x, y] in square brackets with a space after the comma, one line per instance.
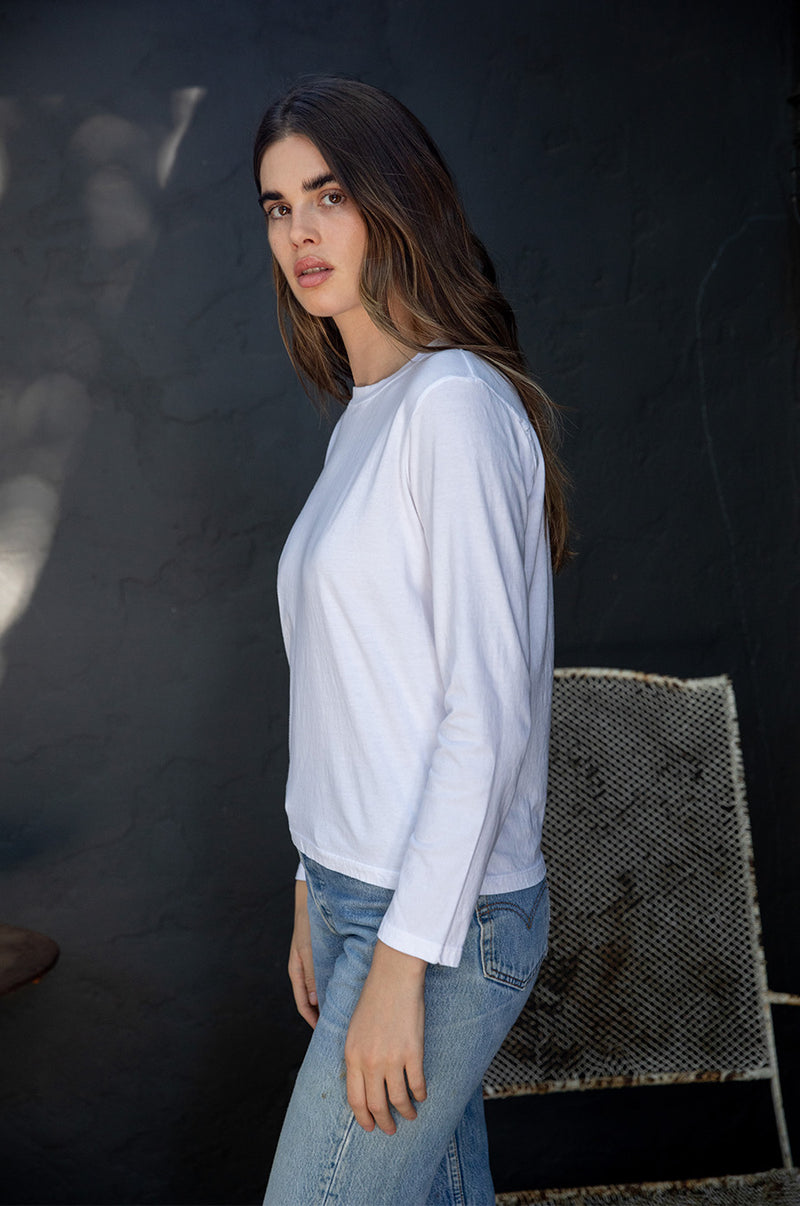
[316, 233]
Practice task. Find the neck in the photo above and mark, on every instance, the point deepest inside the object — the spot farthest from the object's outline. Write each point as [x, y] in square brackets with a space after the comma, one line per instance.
[373, 354]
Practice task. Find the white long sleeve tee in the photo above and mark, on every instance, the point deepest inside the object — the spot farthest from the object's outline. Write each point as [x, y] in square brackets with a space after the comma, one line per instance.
[415, 595]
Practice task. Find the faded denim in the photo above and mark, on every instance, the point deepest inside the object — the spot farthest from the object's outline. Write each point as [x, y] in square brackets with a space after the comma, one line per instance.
[441, 1158]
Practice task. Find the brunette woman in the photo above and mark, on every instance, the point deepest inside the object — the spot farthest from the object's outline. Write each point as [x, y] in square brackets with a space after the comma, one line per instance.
[416, 602]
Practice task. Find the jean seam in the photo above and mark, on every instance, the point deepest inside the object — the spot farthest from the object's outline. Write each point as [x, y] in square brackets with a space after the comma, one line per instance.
[319, 907]
[454, 1169]
[329, 1187]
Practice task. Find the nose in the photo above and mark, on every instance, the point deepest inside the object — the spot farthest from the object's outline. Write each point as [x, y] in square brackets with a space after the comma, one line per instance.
[303, 229]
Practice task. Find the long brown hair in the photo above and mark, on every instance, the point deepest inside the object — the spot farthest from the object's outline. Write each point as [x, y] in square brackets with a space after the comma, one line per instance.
[418, 242]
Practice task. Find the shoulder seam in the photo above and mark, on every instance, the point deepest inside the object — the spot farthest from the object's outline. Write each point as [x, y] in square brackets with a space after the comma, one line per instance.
[522, 421]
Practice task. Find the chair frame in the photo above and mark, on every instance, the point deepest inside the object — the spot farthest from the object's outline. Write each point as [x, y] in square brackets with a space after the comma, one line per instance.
[497, 1083]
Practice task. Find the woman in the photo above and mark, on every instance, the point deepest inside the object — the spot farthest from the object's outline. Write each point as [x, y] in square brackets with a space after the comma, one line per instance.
[416, 604]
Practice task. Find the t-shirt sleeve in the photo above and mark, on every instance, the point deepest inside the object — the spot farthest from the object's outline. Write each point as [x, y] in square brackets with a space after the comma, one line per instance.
[472, 474]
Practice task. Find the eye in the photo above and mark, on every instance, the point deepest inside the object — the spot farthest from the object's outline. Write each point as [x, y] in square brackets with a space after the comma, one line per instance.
[279, 210]
[333, 198]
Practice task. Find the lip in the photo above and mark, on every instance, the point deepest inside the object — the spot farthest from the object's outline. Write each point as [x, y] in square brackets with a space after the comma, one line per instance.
[322, 270]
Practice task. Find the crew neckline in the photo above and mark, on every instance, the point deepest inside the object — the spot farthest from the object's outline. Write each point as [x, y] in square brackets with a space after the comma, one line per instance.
[362, 393]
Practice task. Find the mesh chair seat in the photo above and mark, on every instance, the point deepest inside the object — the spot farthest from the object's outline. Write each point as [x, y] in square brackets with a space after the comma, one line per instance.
[779, 1187]
[656, 971]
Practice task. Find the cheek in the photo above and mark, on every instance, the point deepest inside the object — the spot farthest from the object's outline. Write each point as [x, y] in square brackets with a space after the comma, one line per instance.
[279, 251]
[359, 239]
[362, 259]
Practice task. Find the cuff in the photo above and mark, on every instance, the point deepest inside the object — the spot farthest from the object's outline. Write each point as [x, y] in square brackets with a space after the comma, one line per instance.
[423, 948]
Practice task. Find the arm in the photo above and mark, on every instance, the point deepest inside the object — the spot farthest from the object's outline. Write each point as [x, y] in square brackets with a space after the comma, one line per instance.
[384, 1047]
[470, 483]
[475, 478]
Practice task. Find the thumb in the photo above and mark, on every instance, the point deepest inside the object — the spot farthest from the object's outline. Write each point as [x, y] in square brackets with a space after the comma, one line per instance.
[311, 985]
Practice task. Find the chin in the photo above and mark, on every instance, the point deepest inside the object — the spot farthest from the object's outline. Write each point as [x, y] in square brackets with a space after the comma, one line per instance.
[313, 305]
[318, 311]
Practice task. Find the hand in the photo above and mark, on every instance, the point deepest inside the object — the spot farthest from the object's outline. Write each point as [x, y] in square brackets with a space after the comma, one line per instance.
[301, 961]
[385, 1042]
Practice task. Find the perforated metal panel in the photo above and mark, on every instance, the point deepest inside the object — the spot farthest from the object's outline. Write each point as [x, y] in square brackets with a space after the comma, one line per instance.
[655, 968]
[775, 1188]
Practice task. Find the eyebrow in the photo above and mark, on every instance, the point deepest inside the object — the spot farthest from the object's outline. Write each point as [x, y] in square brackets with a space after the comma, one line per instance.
[309, 186]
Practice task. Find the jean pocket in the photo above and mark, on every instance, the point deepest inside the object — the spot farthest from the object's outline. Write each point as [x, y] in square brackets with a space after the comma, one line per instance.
[514, 931]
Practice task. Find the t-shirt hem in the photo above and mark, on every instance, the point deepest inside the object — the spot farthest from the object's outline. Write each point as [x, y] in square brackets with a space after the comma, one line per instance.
[514, 881]
[492, 885]
[367, 874]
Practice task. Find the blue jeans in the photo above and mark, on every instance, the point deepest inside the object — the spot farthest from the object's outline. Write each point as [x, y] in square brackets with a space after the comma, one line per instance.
[440, 1158]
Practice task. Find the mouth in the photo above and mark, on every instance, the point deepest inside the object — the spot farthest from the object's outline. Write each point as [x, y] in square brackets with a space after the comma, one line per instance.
[311, 271]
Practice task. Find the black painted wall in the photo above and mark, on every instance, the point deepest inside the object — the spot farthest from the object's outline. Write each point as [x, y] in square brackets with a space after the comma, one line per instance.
[628, 166]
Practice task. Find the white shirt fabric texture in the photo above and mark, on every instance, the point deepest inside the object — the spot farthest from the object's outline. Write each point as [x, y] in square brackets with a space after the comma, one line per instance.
[415, 595]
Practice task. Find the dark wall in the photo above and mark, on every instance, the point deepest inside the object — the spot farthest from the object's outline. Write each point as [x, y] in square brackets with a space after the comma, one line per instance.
[628, 166]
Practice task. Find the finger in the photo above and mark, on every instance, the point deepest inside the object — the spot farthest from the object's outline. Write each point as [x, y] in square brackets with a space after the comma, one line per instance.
[308, 1012]
[357, 1100]
[378, 1105]
[397, 1092]
[311, 983]
[416, 1080]
[305, 1006]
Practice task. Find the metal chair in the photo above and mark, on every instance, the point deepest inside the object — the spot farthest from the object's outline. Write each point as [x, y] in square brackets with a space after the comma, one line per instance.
[656, 971]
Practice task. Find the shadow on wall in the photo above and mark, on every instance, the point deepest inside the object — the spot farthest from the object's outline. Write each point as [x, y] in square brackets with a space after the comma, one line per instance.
[72, 252]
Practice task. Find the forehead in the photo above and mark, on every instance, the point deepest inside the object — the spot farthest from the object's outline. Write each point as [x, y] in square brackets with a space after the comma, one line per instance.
[286, 164]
